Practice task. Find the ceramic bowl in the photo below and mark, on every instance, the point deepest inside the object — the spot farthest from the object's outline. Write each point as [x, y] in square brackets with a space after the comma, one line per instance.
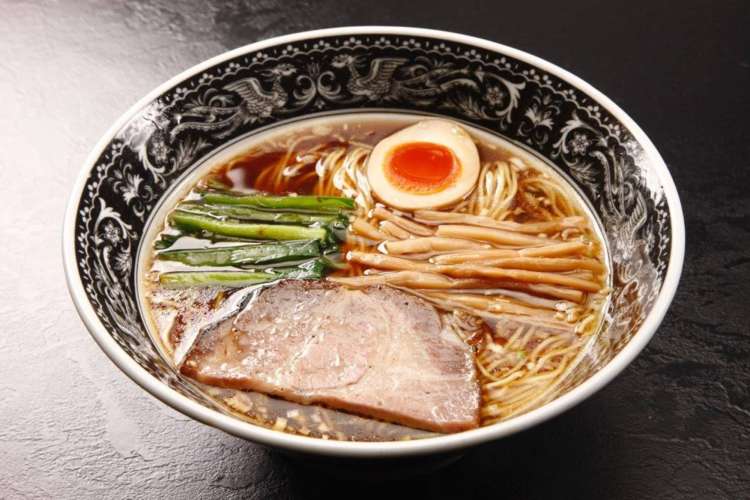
[526, 100]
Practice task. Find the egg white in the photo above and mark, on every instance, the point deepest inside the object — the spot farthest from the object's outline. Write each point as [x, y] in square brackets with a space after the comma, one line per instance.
[443, 132]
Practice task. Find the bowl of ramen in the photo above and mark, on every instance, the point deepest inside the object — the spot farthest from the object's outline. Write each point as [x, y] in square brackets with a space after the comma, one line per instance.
[373, 242]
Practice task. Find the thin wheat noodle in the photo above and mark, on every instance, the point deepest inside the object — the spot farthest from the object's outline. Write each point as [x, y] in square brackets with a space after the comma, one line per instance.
[502, 381]
[529, 392]
[525, 298]
[491, 362]
[559, 352]
[546, 342]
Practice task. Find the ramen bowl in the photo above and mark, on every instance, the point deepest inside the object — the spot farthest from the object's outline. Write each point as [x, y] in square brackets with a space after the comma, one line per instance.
[540, 108]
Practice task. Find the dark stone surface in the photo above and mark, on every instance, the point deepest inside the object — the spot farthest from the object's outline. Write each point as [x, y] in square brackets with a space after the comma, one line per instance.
[675, 424]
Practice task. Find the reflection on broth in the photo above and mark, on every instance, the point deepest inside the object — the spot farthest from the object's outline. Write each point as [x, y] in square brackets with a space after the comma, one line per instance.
[363, 280]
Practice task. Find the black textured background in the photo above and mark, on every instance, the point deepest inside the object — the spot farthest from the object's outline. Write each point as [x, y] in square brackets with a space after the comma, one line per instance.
[675, 424]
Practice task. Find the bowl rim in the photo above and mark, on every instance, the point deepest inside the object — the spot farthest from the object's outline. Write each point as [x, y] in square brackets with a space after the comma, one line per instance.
[441, 444]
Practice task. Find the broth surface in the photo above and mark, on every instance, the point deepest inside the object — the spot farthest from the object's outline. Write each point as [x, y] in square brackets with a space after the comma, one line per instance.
[312, 157]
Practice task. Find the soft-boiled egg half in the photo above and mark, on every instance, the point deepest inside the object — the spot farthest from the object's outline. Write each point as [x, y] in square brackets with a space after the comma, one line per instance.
[431, 164]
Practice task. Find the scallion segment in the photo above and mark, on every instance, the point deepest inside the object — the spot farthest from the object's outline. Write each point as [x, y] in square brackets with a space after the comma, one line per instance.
[195, 223]
[313, 269]
[243, 255]
[244, 213]
[325, 204]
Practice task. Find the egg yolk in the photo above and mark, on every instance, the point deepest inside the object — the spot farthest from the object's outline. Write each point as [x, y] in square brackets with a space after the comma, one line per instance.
[421, 167]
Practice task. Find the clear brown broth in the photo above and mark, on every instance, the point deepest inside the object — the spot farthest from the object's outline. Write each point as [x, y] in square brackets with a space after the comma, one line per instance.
[244, 172]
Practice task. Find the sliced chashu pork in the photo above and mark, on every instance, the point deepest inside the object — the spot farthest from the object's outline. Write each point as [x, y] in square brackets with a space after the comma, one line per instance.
[377, 352]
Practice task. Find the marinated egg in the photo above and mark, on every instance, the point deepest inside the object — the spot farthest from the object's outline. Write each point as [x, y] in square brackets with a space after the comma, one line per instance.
[431, 164]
